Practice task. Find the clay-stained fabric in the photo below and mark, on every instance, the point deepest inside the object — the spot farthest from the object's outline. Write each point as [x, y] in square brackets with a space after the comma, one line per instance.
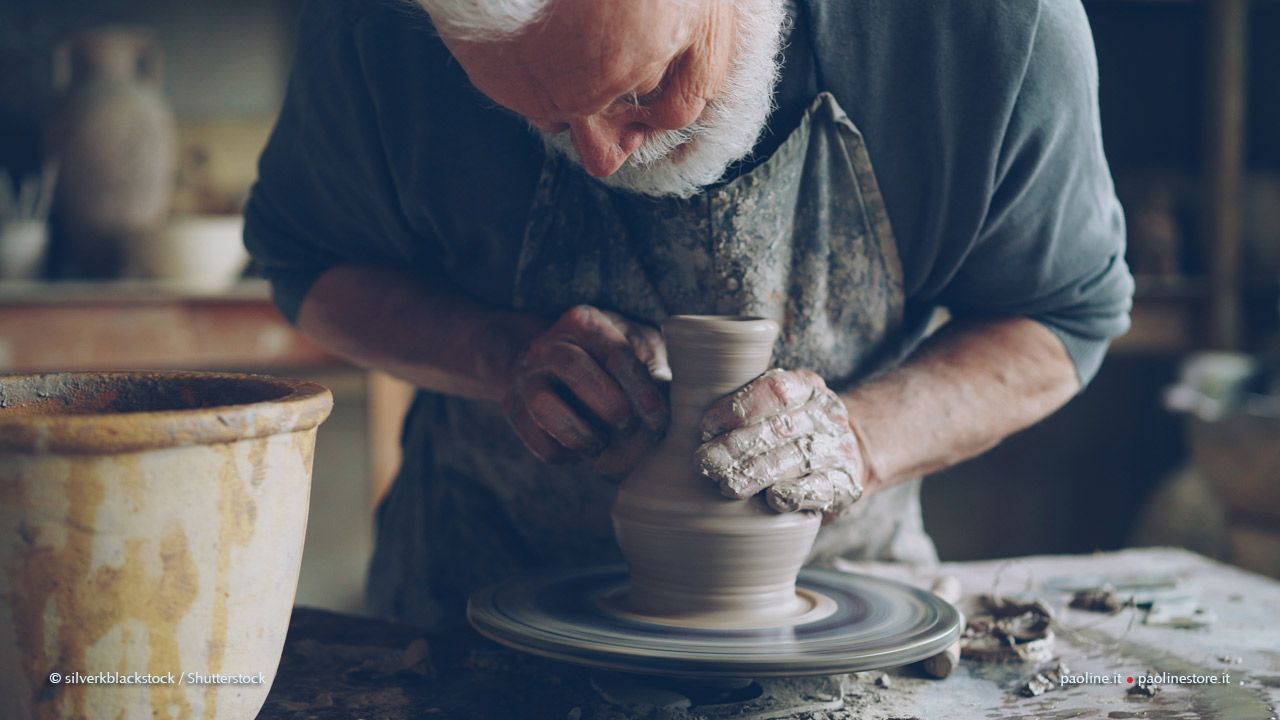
[802, 238]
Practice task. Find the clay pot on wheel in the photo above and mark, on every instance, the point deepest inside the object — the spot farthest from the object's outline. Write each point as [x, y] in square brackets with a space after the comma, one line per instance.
[696, 557]
[150, 523]
[113, 133]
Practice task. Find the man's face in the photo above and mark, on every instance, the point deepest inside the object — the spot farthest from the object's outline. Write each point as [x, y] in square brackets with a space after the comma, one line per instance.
[652, 96]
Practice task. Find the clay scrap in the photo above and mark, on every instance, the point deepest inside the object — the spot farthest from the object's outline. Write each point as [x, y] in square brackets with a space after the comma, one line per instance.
[1142, 688]
[1044, 681]
[1164, 598]
[1006, 630]
[1098, 599]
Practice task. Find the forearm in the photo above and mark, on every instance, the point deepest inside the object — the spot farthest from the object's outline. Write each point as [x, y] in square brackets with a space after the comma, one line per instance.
[422, 330]
[968, 387]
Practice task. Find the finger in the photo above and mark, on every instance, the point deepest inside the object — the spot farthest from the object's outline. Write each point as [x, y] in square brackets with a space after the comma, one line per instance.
[648, 345]
[789, 461]
[822, 415]
[831, 492]
[640, 387]
[609, 346]
[744, 478]
[542, 445]
[583, 377]
[783, 445]
[557, 419]
[721, 457]
[773, 392]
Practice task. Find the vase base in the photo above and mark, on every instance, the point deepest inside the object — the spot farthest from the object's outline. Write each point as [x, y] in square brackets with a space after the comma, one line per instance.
[566, 615]
[808, 605]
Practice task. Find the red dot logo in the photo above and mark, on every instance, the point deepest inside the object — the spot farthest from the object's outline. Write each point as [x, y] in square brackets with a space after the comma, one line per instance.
[1129, 679]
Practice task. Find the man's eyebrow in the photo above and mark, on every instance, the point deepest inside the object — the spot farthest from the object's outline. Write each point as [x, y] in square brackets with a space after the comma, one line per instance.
[634, 97]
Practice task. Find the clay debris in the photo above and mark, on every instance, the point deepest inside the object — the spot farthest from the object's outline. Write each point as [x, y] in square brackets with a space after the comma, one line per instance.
[1099, 599]
[1044, 681]
[1143, 688]
[1008, 630]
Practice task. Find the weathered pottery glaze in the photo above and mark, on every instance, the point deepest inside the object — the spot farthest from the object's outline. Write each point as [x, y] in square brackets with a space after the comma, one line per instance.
[150, 523]
[697, 558]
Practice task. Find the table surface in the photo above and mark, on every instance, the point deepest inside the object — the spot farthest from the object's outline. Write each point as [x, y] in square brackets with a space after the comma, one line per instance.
[337, 666]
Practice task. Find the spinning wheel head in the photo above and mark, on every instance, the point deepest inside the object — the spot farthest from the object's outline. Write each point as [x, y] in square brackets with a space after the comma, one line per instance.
[853, 623]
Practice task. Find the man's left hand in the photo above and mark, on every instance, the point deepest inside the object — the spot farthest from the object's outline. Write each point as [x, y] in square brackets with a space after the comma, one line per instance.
[789, 434]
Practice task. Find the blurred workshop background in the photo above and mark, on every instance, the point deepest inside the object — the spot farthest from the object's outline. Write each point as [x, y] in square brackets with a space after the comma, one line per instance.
[137, 263]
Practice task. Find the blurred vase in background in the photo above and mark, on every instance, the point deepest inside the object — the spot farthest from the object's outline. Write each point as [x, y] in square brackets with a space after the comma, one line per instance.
[113, 135]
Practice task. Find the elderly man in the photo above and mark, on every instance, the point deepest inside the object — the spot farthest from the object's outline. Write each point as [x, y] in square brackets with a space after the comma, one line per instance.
[498, 200]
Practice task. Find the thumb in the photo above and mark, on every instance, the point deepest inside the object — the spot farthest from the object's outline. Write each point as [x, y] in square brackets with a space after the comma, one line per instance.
[646, 342]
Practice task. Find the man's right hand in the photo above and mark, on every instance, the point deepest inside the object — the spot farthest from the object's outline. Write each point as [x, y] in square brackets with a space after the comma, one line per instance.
[588, 383]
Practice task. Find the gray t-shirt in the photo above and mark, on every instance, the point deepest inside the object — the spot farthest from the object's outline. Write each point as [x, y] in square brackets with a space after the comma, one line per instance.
[981, 120]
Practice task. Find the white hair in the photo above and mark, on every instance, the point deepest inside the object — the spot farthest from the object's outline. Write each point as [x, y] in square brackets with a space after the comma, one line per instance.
[728, 128]
[482, 20]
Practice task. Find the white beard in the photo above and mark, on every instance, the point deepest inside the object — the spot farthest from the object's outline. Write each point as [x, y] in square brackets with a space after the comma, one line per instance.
[726, 131]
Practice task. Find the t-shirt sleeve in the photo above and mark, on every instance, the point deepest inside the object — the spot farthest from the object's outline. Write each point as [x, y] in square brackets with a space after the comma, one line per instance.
[324, 194]
[1052, 244]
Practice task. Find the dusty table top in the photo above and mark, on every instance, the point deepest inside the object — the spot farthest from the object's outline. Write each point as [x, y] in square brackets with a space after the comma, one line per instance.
[337, 666]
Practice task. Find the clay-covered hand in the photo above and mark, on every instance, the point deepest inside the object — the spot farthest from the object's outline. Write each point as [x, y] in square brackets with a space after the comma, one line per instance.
[789, 434]
[588, 383]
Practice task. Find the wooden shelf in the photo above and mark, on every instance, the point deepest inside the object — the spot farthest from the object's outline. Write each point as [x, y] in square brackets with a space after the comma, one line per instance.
[133, 325]
[1220, 317]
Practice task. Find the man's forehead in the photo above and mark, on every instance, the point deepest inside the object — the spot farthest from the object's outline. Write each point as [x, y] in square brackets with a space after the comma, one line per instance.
[576, 63]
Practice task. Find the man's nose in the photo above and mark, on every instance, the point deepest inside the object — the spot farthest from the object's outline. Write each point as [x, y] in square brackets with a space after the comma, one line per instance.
[604, 144]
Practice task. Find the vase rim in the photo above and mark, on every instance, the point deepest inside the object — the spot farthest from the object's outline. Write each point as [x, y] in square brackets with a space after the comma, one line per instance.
[718, 318]
[128, 411]
[735, 324]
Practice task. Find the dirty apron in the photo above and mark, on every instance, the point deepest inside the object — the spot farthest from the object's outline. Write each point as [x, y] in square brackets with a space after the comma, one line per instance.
[802, 238]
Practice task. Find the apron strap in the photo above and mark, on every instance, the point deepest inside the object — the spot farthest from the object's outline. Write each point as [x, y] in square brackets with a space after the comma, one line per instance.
[833, 56]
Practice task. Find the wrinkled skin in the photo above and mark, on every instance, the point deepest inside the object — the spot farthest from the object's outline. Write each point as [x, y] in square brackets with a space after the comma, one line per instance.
[786, 434]
[609, 73]
[592, 386]
[588, 384]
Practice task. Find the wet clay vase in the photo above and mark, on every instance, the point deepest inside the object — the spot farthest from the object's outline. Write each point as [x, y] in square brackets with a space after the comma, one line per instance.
[150, 524]
[696, 557]
[113, 135]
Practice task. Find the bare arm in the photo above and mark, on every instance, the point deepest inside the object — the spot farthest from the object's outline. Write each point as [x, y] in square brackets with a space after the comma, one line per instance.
[966, 389]
[418, 329]
[578, 386]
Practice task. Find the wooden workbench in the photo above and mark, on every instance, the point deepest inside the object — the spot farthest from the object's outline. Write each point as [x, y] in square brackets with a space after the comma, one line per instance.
[343, 667]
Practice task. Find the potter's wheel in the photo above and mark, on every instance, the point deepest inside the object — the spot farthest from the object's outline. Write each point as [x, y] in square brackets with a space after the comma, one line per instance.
[865, 623]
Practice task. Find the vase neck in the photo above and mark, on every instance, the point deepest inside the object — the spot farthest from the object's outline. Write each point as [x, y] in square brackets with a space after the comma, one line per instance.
[688, 403]
[711, 357]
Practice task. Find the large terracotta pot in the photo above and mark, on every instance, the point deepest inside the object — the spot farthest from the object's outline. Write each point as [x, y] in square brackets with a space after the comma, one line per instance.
[696, 557]
[113, 134]
[150, 523]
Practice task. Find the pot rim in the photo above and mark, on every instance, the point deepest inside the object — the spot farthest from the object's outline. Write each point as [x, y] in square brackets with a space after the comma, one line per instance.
[302, 405]
[737, 325]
